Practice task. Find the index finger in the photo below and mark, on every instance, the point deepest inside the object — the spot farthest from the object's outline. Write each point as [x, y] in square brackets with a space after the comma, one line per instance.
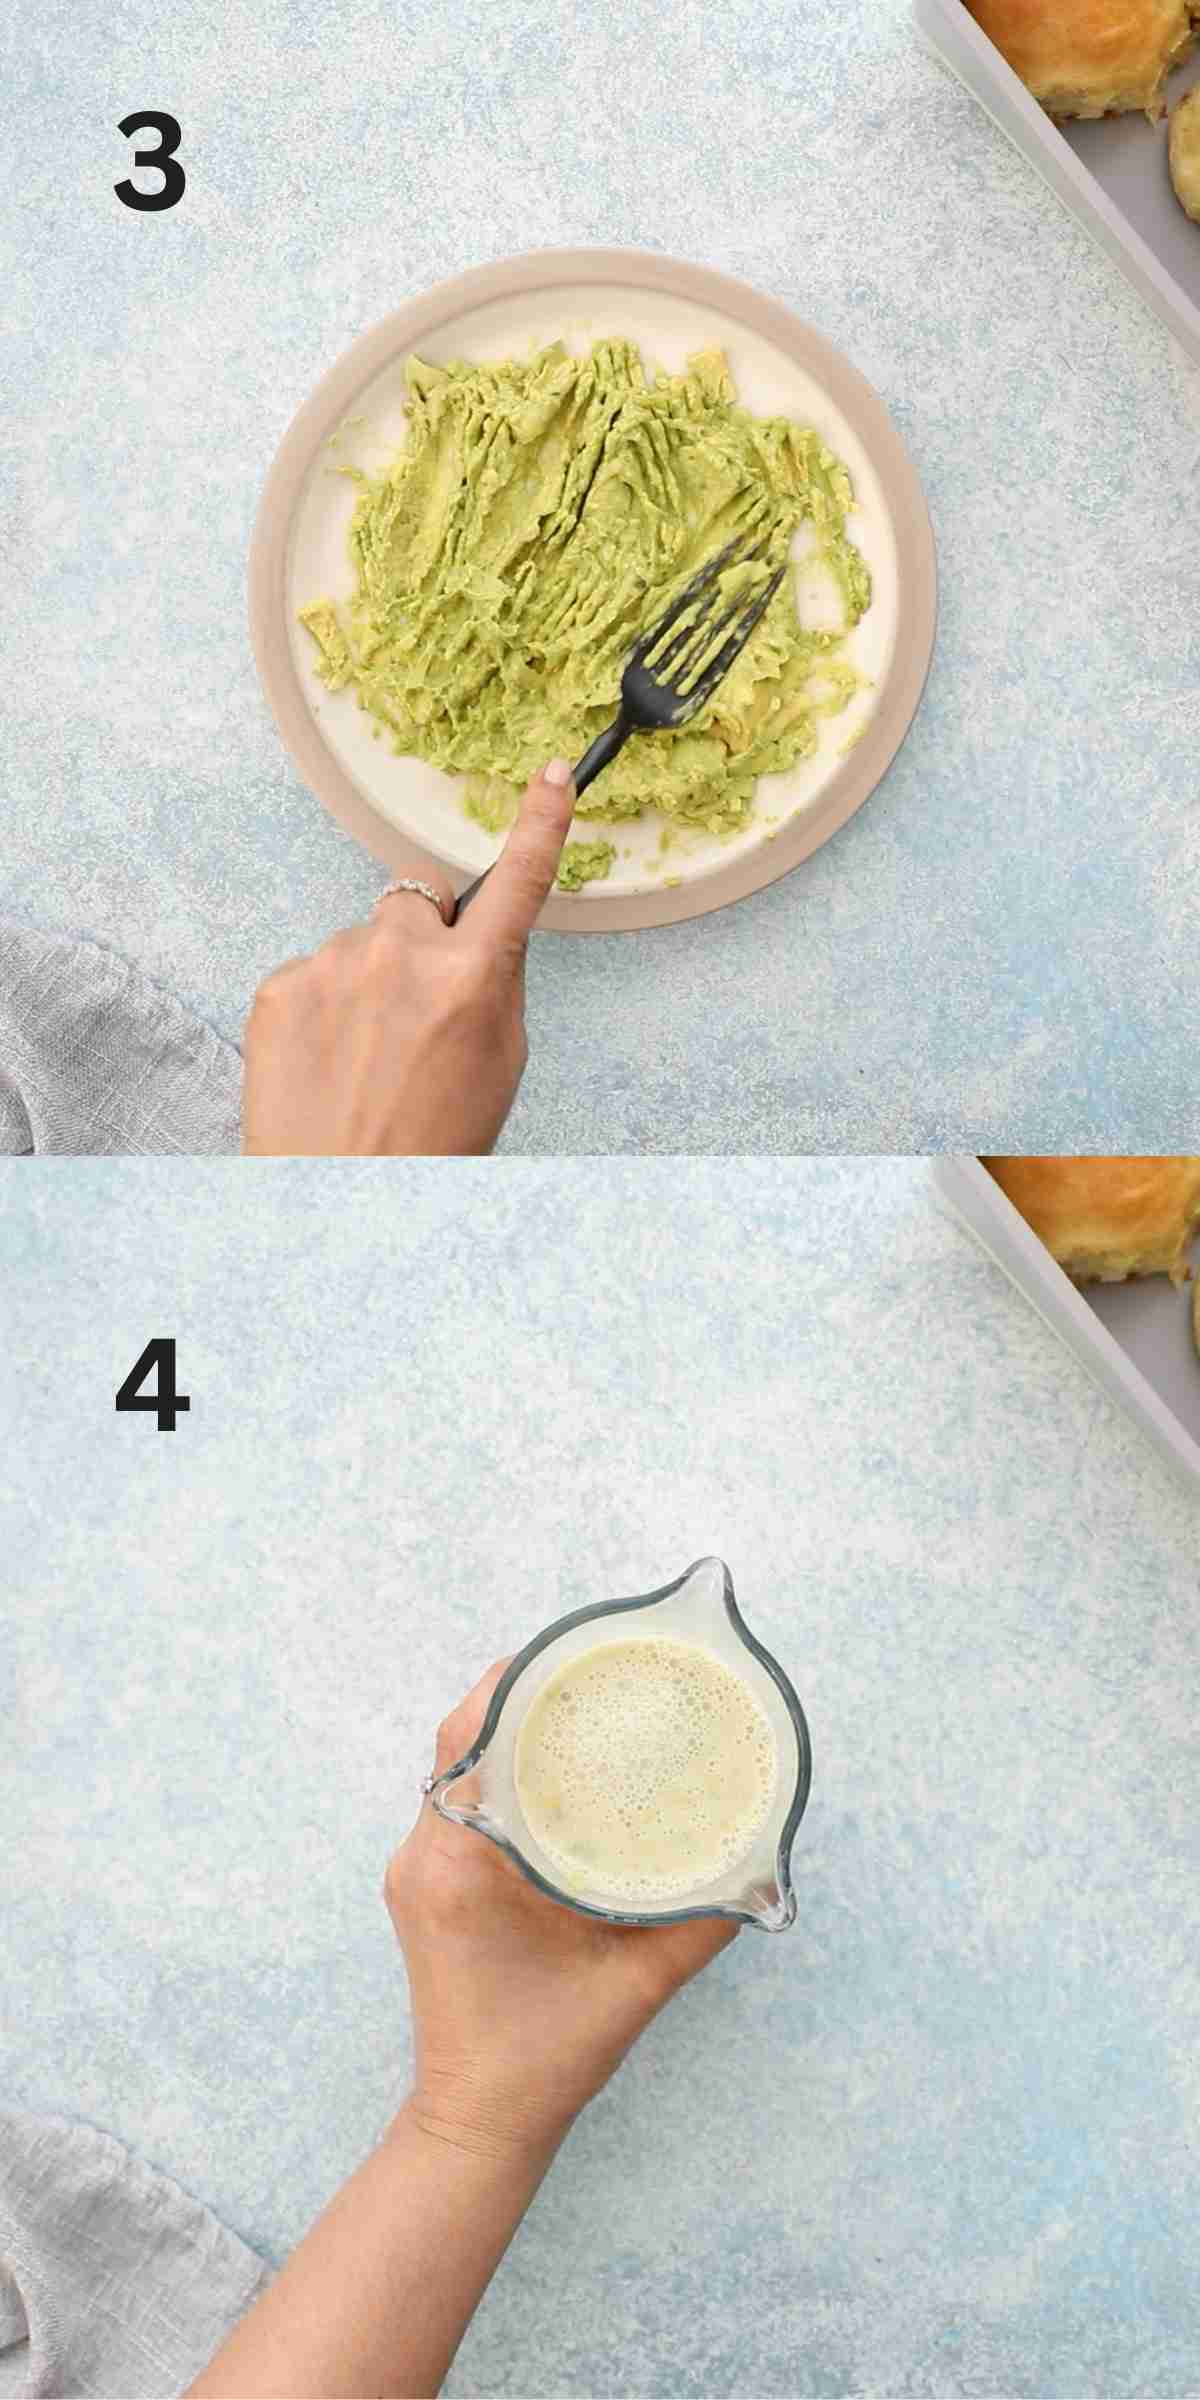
[461, 1728]
[513, 896]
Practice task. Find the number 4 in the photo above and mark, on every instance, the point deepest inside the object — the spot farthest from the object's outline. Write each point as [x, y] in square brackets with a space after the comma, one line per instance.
[164, 1401]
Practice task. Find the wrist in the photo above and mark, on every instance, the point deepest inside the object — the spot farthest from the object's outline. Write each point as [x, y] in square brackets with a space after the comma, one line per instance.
[486, 2125]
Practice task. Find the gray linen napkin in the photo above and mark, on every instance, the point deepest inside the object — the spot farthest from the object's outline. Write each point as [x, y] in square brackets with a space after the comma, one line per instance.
[94, 1057]
[113, 2282]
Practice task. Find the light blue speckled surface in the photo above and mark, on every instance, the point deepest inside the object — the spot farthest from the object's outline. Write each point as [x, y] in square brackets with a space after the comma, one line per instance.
[940, 2139]
[995, 951]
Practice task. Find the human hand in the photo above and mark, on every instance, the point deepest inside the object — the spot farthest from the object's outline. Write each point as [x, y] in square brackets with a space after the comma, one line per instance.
[522, 2009]
[406, 1036]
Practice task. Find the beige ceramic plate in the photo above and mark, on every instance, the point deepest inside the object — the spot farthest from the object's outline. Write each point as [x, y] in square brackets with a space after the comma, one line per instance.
[409, 813]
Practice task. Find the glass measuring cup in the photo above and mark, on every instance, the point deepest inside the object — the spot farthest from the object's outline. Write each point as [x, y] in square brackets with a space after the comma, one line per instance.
[698, 1607]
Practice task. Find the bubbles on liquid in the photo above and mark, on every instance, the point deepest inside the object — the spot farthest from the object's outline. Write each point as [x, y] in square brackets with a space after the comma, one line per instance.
[648, 1763]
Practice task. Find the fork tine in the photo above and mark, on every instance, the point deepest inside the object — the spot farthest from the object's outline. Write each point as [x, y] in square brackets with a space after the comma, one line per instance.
[736, 625]
[696, 647]
[708, 573]
[718, 667]
[705, 627]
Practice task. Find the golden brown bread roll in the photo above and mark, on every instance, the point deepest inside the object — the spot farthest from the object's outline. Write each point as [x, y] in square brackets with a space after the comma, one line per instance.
[1085, 58]
[1106, 1218]
[1184, 149]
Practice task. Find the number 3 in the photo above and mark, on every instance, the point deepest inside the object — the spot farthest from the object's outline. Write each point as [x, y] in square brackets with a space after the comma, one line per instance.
[174, 180]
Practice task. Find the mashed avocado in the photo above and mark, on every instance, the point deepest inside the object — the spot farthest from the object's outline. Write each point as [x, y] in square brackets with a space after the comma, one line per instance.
[584, 862]
[542, 515]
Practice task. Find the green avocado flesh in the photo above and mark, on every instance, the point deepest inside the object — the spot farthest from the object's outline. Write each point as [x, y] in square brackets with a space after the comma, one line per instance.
[584, 862]
[542, 515]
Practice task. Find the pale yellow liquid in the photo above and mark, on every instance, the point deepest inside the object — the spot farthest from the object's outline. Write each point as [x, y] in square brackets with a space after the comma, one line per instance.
[644, 1770]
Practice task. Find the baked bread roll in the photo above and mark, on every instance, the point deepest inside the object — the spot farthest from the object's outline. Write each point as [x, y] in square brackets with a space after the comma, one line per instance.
[1090, 58]
[1184, 151]
[1106, 1218]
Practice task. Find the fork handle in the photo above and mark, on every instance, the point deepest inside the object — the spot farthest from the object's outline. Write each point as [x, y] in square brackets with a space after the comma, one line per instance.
[602, 753]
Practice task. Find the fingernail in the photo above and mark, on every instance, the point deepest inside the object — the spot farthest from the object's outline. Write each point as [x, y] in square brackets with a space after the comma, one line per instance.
[558, 773]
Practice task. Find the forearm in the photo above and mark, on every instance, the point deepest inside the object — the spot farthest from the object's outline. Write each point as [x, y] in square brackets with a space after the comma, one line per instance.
[376, 2299]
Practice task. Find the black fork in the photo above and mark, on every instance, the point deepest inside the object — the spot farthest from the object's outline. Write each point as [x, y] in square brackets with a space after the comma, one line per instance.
[676, 667]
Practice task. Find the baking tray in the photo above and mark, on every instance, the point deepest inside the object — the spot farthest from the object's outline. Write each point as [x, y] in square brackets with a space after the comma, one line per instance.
[1134, 1339]
[1112, 174]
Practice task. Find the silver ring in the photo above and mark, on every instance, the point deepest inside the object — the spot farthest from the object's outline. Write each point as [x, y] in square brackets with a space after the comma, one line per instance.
[412, 883]
[427, 1784]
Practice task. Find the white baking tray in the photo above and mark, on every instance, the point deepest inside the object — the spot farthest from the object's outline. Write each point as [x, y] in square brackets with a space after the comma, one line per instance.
[1134, 1339]
[1112, 175]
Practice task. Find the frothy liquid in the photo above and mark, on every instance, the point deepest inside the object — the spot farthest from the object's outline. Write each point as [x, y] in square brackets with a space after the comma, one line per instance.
[644, 1769]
